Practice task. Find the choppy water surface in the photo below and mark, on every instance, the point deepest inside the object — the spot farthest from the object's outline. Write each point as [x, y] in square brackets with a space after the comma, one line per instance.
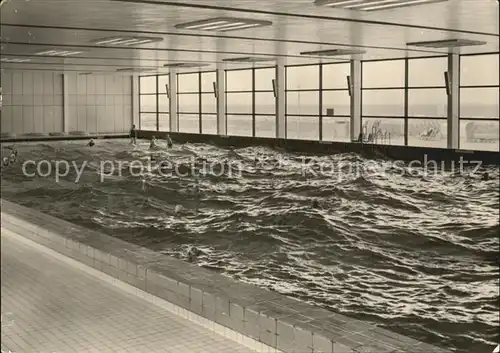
[415, 253]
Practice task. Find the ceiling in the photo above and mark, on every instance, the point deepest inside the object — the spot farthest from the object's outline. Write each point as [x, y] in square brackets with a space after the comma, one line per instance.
[31, 26]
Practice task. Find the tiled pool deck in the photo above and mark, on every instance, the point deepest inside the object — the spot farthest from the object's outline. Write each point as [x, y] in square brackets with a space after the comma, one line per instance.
[51, 305]
[69, 289]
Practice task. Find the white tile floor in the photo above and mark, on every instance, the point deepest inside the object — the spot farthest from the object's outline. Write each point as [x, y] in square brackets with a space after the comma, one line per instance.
[49, 306]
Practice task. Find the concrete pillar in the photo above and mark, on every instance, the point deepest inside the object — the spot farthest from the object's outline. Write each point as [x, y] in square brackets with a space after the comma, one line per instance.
[221, 100]
[453, 100]
[280, 98]
[136, 120]
[172, 87]
[355, 89]
[65, 89]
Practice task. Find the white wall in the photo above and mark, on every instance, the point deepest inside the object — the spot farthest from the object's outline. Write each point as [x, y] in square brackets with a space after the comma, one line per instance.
[33, 101]
[98, 103]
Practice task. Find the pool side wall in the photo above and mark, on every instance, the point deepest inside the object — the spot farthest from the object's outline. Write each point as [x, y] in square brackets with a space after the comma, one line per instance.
[273, 321]
[404, 153]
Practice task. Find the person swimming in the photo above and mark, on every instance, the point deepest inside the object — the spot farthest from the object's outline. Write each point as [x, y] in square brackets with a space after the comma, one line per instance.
[133, 135]
[13, 157]
[5, 161]
[485, 176]
[91, 143]
[193, 253]
[152, 144]
[170, 144]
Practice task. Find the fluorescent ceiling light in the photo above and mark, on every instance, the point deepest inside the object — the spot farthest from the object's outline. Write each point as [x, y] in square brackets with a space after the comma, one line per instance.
[334, 52]
[223, 24]
[249, 59]
[185, 65]
[136, 69]
[127, 41]
[447, 43]
[14, 60]
[373, 5]
[57, 52]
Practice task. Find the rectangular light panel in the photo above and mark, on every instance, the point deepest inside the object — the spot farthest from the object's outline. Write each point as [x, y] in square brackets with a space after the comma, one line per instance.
[223, 24]
[249, 59]
[14, 60]
[137, 69]
[447, 43]
[184, 65]
[56, 52]
[373, 5]
[127, 41]
[334, 52]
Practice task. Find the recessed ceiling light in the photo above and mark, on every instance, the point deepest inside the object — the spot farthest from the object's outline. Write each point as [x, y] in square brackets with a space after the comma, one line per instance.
[447, 43]
[334, 52]
[137, 69]
[127, 41]
[57, 52]
[249, 59]
[223, 24]
[185, 65]
[373, 5]
[15, 60]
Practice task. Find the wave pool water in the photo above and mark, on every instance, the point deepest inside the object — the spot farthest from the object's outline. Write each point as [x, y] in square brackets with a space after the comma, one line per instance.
[413, 252]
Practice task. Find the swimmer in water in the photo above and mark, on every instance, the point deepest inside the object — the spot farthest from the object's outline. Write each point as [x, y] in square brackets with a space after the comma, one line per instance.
[143, 184]
[177, 209]
[485, 176]
[91, 143]
[193, 253]
[170, 144]
[5, 161]
[152, 144]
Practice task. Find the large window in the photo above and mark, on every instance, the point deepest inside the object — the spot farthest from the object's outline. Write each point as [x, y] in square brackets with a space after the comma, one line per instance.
[251, 102]
[239, 102]
[479, 102]
[427, 102]
[403, 101]
[208, 81]
[148, 112]
[383, 101]
[264, 102]
[163, 103]
[188, 102]
[303, 102]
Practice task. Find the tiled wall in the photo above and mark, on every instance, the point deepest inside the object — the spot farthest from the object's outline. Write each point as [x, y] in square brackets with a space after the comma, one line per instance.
[99, 103]
[33, 101]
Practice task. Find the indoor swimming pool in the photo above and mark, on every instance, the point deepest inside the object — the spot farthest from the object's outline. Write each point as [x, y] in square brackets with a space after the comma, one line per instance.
[412, 251]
